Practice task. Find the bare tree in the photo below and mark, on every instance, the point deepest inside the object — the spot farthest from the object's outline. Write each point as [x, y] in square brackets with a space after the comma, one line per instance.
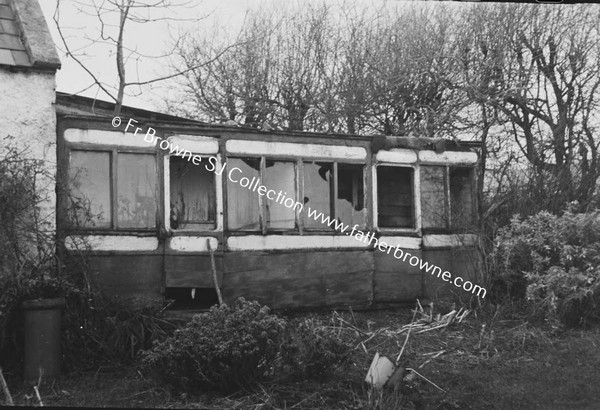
[114, 19]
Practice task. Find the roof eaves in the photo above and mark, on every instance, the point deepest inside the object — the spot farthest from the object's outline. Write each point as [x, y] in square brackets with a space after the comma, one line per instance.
[35, 34]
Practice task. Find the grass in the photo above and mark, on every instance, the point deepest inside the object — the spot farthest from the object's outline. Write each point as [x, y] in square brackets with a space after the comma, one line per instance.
[486, 363]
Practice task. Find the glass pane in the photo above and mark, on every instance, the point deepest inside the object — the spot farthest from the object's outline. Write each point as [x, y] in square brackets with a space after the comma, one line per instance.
[280, 177]
[461, 197]
[318, 187]
[242, 204]
[89, 195]
[192, 195]
[433, 197]
[395, 200]
[350, 204]
[136, 191]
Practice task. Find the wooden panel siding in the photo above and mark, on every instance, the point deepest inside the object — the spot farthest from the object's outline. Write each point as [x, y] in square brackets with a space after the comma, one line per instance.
[274, 256]
[299, 278]
[395, 280]
[135, 279]
[191, 271]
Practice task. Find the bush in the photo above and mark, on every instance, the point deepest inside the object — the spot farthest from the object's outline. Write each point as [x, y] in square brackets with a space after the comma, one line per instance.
[312, 349]
[231, 346]
[558, 258]
[100, 330]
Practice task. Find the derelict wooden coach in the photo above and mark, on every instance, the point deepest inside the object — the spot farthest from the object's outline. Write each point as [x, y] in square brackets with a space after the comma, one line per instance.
[144, 217]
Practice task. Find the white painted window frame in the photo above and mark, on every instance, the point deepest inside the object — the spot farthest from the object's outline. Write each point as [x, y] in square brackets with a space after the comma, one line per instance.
[218, 193]
[416, 186]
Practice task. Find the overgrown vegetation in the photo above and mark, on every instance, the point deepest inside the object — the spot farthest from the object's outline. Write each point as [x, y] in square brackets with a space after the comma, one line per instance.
[232, 346]
[553, 261]
[94, 329]
[312, 348]
[243, 344]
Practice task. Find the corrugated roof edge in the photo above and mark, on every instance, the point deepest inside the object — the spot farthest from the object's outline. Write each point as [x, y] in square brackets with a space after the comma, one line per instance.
[75, 106]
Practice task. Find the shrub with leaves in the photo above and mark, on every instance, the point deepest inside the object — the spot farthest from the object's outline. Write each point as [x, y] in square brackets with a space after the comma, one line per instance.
[312, 349]
[559, 259]
[231, 346]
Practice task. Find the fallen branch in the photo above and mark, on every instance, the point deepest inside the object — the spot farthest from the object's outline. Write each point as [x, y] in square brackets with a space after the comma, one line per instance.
[407, 336]
[37, 394]
[9, 400]
[426, 379]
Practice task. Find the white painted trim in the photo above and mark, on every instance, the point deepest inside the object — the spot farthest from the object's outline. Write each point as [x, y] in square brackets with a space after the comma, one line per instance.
[448, 157]
[374, 197]
[397, 156]
[167, 192]
[416, 198]
[453, 240]
[417, 195]
[117, 138]
[195, 144]
[279, 242]
[111, 243]
[295, 149]
[192, 243]
[403, 242]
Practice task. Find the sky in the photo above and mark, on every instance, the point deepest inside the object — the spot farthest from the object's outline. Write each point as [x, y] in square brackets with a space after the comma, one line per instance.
[149, 39]
[211, 17]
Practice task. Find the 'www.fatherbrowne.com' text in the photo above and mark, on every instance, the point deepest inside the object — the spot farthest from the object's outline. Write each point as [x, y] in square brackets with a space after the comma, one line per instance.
[235, 175]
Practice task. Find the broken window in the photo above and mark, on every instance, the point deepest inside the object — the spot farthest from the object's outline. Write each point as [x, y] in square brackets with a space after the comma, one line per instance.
[136, 191]
[320, 196]
[350, 199]
[331, 189]
[461, 197]
[89, 196]
[318, 188]
[192, 195]
[395, 199]
[447, 197]
[243, 210]
[280, 177]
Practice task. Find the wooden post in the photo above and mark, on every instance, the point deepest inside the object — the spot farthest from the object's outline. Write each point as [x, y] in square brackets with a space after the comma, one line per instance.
[214, 271]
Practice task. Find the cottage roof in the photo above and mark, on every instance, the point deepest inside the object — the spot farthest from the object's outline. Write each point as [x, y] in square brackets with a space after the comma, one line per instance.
[25, 40]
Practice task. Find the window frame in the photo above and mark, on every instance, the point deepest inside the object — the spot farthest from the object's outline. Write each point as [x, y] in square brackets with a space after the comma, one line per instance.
[217, 189]
[450, 228]
[114, 152]
[299, 228]
[416, 197]
[167, 190]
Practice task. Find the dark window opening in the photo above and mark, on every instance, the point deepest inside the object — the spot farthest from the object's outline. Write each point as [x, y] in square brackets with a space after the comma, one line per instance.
[395, 199]
[191, 298]
[192, 195]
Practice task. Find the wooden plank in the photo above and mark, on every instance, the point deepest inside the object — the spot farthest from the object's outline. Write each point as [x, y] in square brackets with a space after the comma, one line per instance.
[135, 279]
[191, 271]
[397, 286]
[298, 279]
[396, 280]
